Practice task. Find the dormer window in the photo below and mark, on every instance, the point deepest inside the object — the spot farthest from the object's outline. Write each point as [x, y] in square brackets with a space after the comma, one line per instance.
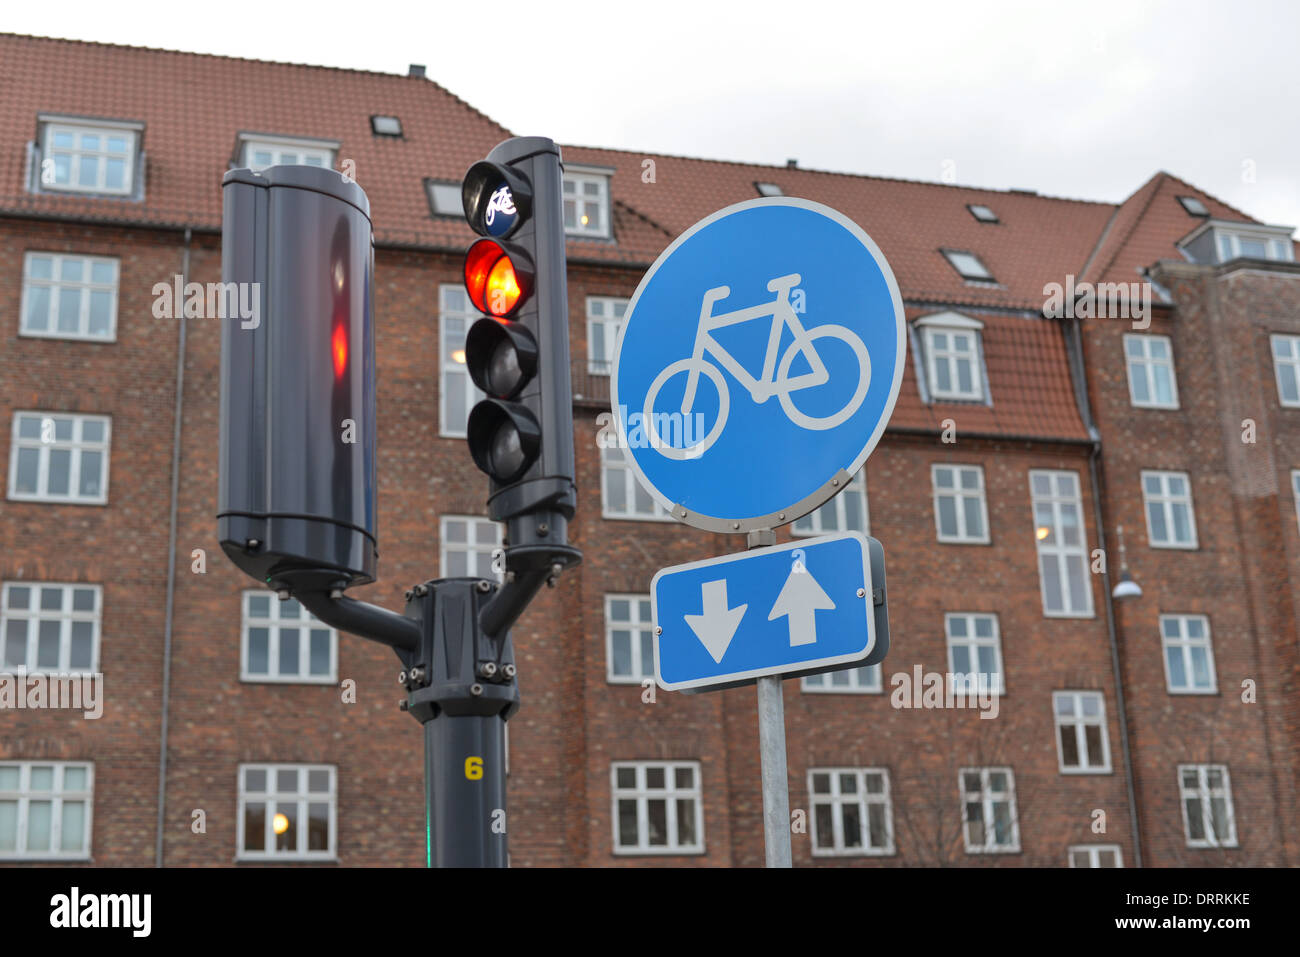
[257, 151]
[983, 213]
[953, 357]
[1194, 206]
[968, 265]
[586, 202]
[1221, 241]
[79, 155]
[1244, 246]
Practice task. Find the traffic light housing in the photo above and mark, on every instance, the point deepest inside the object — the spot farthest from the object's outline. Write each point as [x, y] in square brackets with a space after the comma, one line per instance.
[296, 505]
[521, 435]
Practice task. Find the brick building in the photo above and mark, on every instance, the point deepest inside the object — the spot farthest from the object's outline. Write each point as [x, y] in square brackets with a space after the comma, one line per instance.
[1161, 729]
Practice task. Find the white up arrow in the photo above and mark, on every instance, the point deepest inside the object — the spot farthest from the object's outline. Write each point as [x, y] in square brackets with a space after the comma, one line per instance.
[800, 599]
[717, 625]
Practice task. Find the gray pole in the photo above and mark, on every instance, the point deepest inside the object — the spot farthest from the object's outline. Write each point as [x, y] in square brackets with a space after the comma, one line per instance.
[771, 750]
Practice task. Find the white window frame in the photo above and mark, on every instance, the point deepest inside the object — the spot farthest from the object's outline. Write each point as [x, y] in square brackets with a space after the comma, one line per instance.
[277, 146]
[1145, 366]
[1295, 493]
[56, 287]
[301, 796]
[24, 796]
[480, 559]
[987, 797]
[76, 152]
[815, 522]
[1079, 722]
[1184, 643]
[954, 260]
[865, 679]
[641, 630]
[613, 463]
[951, 356]
[1094, 852]
[1205, 794]
[611, 324]
[76, 446]
[670, 794]
[836, 801]
[1165, 500]
[1057, 502]
[1227, 244]
[66, 616]
[1288, 364]
[959, 493]
[455, 203]
[580, 177]
[971, 681]
[305, 624]
[451, 345]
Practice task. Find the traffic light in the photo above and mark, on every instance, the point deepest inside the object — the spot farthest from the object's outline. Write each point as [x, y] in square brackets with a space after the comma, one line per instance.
[521, 435]
[296, 505]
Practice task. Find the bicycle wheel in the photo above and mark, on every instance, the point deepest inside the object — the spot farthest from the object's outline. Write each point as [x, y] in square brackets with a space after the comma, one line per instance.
[650, 419]
[849, 338]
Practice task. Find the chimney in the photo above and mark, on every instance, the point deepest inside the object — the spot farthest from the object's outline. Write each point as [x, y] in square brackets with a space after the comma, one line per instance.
[416, 69]
[791, 164]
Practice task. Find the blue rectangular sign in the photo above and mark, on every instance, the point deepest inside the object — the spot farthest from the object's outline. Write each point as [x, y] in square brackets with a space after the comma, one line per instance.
[798, 608]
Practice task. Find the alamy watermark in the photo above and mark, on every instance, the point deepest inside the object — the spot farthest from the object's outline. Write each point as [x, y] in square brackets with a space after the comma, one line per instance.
[73, 692]
[1106, 300]
[680, 430]
[935, 689]
[214, 300]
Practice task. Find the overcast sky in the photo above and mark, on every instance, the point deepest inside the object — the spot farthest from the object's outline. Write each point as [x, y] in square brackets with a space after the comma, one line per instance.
[1082, 100]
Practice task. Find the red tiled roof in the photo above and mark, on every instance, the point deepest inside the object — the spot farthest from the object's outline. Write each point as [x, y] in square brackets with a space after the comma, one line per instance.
[1146, 226]
[1028, 381]
[1037, 239]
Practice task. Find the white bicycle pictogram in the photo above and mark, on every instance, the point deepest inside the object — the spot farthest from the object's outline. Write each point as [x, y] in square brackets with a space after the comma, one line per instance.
[775, 380]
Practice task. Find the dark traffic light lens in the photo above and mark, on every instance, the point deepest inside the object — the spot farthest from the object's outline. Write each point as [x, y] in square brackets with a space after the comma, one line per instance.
[507, 453]
[504, 439]
[503, 373]
[501, 356]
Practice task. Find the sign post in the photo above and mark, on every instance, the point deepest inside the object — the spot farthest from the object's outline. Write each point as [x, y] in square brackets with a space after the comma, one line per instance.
[775, 298]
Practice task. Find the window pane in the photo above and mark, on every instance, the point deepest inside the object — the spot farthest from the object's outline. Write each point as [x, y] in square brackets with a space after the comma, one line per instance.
[39, 814]
[627, 823]
[948, 516]
[8, 825]
[852, 821]
[255, 779]
[42, 778]
[285, 824]
[1092, 737]
[38, 308]
[648, 659]
[320, 651]
[72, 836]
[654, 777]
[318, 827]
[657, 816]
[29, 461]
[255, 826]
[74, 779]
[79, 658]
[101, 306]
[259, 650]
[685, 822]
[15, 651]
[47, 645]
[824, 825]
[91, 466]
[974, 522]
[626, 777]
[60, 471]
[621, 652]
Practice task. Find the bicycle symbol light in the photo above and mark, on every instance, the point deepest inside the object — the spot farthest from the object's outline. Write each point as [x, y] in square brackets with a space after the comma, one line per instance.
[775, 380]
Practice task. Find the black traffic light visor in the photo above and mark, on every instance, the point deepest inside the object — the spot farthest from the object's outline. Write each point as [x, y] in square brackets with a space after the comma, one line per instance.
[496, 199]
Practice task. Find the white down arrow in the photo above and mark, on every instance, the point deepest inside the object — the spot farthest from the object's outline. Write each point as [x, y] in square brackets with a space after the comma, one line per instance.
[717, 625]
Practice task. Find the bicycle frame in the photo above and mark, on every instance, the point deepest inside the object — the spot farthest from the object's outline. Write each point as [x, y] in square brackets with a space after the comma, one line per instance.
[783, 315]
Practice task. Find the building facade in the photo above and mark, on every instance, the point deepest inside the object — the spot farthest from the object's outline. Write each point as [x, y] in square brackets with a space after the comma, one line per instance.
[1073, 368]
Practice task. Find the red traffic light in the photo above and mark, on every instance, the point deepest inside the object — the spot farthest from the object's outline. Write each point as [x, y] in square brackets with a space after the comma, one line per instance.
[497, 281]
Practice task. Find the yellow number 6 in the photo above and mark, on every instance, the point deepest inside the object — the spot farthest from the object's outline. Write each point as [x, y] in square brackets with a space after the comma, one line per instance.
[473, 768]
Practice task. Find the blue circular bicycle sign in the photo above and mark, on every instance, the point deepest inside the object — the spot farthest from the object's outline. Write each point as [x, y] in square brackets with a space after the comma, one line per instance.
[758, 365]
